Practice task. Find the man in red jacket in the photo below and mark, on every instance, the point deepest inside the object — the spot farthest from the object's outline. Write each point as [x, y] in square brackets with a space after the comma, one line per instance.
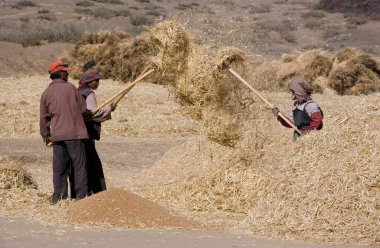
[62, 112]
[306, 113]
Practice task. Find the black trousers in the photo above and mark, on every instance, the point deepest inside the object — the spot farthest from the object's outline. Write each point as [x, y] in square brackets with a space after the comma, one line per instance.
[96, 181]
[69, 157]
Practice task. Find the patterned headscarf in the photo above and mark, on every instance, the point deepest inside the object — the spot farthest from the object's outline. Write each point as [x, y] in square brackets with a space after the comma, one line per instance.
[89, 76]
[301, 87]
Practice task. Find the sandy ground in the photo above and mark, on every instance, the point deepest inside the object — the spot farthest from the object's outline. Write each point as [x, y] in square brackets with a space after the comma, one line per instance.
[19, 233]
[122, 159]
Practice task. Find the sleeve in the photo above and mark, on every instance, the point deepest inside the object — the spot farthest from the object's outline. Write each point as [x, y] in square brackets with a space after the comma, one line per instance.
[91, 101]
[44, 119]
[314, 111]
[86, 113]
[316, 121]
[103, 114]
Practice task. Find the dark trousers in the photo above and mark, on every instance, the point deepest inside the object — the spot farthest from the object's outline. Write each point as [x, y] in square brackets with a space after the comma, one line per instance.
[69, 157]
[96, 181]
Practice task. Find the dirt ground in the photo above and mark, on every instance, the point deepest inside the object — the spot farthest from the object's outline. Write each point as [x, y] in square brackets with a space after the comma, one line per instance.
[122, 159]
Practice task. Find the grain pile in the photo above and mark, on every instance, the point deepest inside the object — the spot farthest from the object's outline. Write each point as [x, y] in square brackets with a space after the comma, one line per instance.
[324, 188]
[120, 208]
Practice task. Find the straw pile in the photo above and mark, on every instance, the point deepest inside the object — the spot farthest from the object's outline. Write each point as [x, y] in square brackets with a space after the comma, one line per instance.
[117, 55]
[324, 188]
[164, 47]
[120, 208]
[20, 197]
[348, 72]
[355, 73]
[310, 64]
[14, 176]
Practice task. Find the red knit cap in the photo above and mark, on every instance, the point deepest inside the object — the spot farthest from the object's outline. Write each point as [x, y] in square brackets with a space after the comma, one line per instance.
[89, 76]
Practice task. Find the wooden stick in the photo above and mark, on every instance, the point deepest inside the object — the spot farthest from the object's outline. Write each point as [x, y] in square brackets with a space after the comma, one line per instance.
[265, 100]
[123, 92]
[117, 100]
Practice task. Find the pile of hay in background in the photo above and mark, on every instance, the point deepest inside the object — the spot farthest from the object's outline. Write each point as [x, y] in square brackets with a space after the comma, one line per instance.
[164, 47]
[324, 188]
[104, 48]
[347, 72]
[354, 73]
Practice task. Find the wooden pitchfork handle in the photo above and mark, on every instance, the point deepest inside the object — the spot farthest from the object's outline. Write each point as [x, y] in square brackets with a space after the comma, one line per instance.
[265, 100]
[117, 97]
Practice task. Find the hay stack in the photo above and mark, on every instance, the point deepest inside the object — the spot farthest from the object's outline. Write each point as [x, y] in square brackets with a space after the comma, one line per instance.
[323, 188]
[165, 47]
[102, 47]
[310, 64]
[355, 73]
[14, 176]
[348, 72]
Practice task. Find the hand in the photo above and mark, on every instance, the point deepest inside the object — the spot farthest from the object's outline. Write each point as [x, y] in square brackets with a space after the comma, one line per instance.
[48, 141]
[275, 111]
[113, 106]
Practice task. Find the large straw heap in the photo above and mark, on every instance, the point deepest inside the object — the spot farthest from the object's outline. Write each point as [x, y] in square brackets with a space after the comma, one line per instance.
[323, 188]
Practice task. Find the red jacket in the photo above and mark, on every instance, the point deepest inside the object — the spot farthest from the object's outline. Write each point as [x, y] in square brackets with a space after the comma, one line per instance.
[61, 112]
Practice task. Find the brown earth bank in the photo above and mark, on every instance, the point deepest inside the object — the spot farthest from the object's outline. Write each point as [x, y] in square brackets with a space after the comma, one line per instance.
[16, 60]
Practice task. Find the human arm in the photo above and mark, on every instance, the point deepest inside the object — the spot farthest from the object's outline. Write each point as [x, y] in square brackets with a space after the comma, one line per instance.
[102, 114]
[45, 119]
[275, 112]
[316, 116]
